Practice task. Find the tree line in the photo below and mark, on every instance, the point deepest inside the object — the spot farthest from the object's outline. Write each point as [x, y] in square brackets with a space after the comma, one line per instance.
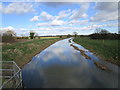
[10, 36]
[104, 34]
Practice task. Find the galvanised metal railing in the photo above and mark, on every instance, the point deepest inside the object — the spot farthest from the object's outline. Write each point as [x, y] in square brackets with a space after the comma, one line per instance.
[11, 75]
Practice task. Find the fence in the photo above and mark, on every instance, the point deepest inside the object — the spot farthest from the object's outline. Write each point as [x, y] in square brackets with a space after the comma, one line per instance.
[10, 75]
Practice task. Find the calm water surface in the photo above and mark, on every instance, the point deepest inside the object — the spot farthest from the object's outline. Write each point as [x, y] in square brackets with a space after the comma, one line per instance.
[61, 66]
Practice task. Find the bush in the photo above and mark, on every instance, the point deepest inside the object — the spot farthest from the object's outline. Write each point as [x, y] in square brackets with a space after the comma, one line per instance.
[60, 36]
[24, 37]
[18, 37]
[8, 36]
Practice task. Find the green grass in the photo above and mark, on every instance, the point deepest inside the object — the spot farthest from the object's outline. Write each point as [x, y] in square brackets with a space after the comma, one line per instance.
[106, 49]
[23, 52]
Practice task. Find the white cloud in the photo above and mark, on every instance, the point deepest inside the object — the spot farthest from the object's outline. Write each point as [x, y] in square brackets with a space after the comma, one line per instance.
[43, 28]
[78, 22]
[45, 16]
[107, 11]
[63, 14]
[18, 8]
[58, 30]
[3, 30]
[76, 14]
[52, 23]
[35, 18]
[57, 22]
[73, 28]
[104, 16]
[9, 28]
[43, 24]
[94, 26]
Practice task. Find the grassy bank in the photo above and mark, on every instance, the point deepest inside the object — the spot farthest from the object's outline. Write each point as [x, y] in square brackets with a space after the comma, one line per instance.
[23, 52]
[106, 49]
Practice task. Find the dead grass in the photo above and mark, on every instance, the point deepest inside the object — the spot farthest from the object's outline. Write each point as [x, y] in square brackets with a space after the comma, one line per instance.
[69, 40]
[102, 67]
[82, 52]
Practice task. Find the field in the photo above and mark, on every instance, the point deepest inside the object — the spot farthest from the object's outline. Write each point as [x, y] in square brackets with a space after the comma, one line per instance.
[48, 37]
[23, 52]
[105, 49]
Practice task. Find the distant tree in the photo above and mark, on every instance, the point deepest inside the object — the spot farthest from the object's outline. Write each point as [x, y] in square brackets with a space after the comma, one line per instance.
[97, 30]
[119, 32]
[60, 36]
[104, 34]
[32, 34]
[68, 35]
[101, 31]
[8, 36]
[75, 34]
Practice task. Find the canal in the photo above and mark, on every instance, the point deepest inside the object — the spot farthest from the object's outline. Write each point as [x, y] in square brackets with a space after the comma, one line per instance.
[62, 66]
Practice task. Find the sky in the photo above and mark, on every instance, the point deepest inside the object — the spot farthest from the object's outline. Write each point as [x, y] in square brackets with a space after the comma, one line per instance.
[58, 18]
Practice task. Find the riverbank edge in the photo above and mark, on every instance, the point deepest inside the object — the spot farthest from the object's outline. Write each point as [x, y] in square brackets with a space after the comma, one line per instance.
[112, 61]
[29, 57]
[39, 52]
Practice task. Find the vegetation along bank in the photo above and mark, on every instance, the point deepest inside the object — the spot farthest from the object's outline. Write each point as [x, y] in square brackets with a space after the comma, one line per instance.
[23, 52]
[106, 49]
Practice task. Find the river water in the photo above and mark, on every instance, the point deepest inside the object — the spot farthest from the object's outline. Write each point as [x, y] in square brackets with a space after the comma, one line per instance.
[62, 66]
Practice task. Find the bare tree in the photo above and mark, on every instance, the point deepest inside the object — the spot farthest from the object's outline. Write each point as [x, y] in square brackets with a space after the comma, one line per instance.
[75, 34]
[101, 31]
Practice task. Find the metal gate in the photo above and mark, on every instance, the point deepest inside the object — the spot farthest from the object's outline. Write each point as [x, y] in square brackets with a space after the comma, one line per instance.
[10, 75]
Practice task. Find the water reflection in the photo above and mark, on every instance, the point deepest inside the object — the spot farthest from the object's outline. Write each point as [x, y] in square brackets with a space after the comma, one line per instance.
[61, 66]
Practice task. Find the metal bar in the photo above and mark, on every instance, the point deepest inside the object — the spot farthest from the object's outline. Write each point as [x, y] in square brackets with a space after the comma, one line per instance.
[10, 78]
[16, 65]
[17, 76]
[6, 61]
[19, 84]
[5, 76]
[6, 70]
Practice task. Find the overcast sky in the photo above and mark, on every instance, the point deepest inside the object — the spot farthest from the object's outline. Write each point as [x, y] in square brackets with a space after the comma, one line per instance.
[59, 18]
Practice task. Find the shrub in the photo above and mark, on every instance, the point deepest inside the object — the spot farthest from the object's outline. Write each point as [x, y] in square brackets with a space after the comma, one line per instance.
[8, 36]
[60, 36]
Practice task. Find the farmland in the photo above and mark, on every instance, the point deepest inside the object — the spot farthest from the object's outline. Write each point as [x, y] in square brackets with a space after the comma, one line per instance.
[47, 37]
[105, 49]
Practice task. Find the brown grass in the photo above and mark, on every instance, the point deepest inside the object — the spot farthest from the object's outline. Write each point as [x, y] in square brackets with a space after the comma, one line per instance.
[69, 40]
[102, 67]
[82, 51]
